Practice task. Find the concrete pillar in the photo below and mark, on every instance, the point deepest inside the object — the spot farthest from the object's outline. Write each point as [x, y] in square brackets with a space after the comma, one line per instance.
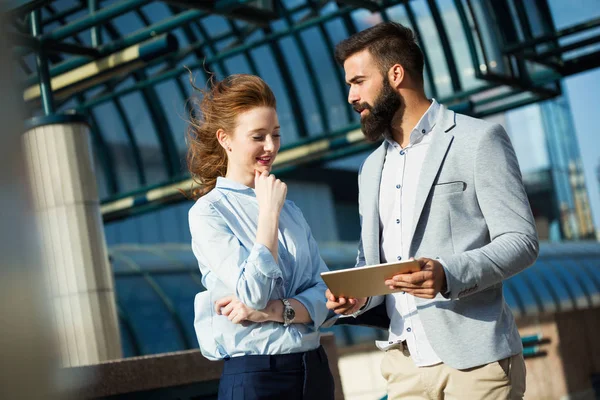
[78, 274]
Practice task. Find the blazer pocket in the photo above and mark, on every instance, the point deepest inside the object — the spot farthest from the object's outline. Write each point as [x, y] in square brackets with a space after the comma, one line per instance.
[449, 187]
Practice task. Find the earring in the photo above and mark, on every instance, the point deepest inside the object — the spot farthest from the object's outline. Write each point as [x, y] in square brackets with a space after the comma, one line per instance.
[229, 148]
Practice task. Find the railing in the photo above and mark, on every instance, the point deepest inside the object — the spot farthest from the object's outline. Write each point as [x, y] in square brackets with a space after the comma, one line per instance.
[183, 375]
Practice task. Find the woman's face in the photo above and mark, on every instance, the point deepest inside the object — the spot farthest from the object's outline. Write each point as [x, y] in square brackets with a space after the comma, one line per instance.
[254, 143]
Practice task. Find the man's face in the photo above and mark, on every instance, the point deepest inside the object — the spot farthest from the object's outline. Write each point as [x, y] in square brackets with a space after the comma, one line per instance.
[371, 95]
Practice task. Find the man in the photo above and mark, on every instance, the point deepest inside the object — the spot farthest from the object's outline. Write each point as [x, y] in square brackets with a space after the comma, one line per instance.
[445, 189]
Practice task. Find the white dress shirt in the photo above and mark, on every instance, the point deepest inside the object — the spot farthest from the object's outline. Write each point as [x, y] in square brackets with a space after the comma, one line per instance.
[397, 192]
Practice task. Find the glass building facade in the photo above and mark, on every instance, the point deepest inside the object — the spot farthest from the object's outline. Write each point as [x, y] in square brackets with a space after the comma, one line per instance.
[482, 58]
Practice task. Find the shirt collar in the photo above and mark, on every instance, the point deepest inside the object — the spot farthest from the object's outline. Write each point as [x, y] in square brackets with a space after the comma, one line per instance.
[225, 183]
[423, 127]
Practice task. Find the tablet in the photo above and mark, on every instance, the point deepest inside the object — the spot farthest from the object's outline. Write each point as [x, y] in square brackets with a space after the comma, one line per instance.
[366, 281]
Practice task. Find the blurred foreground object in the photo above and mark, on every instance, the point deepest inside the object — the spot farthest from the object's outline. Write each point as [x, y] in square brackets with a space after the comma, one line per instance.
[28, 363]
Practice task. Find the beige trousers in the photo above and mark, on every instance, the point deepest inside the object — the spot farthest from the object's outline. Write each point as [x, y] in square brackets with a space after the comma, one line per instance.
[504, 379]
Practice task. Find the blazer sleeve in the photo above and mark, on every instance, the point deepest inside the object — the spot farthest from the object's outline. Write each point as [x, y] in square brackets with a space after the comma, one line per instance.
[503, 202]
[361, 261]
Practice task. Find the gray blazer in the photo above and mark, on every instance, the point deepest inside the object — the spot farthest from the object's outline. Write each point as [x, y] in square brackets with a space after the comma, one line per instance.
[472, 212]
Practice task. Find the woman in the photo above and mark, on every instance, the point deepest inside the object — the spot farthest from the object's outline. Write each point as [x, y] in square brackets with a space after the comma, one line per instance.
[265, 301]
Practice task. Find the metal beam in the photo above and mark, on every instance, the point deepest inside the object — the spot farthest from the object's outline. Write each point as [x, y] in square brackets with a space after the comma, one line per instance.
[101, 70]
[336, 69]
[523, 46]
[126, 41]
[45, 88]
[312, 74]
[175, 72]
[290, 89]
[446, 47]
[60, 16]
[16, 8]
[297, 154]
[236, 9]
[51, 46]
[428, 71]
[370, 5]
[156, 113]
[95, 19]
[95, 32]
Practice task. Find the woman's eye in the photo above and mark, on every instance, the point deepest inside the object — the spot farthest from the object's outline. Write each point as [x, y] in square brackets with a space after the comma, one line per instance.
[277, 135]
[257, 137]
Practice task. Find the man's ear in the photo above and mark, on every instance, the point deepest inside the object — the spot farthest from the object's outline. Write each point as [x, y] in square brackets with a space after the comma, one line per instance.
[223, 139]
[396, 75]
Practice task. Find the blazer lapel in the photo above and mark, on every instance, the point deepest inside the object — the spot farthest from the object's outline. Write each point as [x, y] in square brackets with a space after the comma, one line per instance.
[371, 179]
[440, 142]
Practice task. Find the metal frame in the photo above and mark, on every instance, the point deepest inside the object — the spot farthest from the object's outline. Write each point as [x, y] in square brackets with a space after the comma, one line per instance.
[52, 48]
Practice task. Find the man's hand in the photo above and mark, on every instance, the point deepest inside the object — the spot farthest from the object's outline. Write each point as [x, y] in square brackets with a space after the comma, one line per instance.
[343, 305]
[237, 312]
[426, 283]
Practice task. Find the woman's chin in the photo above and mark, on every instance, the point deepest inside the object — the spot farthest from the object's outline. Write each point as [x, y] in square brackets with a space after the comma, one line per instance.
[263, 168]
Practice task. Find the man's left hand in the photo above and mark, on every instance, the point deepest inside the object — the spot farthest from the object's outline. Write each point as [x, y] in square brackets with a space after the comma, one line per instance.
[426, 283]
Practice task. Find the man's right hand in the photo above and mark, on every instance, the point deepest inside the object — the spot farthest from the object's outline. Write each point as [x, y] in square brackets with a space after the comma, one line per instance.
[344, 305]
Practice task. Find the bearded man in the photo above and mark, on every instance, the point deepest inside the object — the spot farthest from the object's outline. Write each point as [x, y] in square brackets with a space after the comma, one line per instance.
[445, 189]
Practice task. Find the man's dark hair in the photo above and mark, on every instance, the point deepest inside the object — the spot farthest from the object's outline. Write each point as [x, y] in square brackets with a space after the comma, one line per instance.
[389, 43]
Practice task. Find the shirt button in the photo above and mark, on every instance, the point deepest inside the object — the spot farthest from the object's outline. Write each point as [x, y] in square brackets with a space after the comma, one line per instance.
[408, 329]
[403, 292]
[398, 186]
[399, 258]
[398, 221]
[391, 342]
[423, 131]
[402, 152]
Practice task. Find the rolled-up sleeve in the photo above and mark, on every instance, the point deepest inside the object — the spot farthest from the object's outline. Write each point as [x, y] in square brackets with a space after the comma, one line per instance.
[313, 298]
[312, 295]
[251, 275]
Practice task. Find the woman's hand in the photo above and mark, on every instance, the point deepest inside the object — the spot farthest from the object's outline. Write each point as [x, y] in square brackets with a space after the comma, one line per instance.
[270, 192]
[237, 312]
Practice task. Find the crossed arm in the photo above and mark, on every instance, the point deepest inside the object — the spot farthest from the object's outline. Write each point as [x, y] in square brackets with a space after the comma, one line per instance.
[253, 277]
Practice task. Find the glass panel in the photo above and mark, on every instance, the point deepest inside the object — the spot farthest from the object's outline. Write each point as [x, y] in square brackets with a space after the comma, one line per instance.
[156, 11]
[181, 289]
[364, 19]
[308, 103]
[541, 290]
[127, 23]
[269, 71]
[567, 13]
[459, 45]
[215, 25]
[113, 132]
[174, 223]
[557, 286]
[147, 138]
[173, 105]
[526, 131]
[521, 289]
[152, 323]
[338, 32]
[126, 341]
[238, 65]
[433, 47]
[332, 90]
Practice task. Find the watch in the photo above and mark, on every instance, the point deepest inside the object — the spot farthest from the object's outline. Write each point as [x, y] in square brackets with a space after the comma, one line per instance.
[288, 312]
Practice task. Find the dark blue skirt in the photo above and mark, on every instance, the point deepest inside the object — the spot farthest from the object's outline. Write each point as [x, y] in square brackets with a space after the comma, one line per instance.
[295, 376]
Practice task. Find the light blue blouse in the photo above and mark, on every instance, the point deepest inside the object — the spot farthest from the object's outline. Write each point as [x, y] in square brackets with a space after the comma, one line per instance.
[223, 225]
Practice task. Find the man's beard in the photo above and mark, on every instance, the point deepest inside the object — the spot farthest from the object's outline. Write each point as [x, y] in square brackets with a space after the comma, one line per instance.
[379, 118]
